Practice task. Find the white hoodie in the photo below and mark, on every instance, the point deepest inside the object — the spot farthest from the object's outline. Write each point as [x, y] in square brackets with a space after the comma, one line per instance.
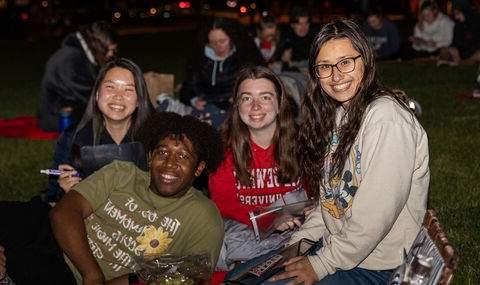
[370, 214]
[440, 31]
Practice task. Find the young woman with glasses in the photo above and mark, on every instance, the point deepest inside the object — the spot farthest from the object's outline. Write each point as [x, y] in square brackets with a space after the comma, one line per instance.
[365, 156]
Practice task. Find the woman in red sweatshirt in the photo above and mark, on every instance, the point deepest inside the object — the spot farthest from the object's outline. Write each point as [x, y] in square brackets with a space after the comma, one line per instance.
[260, 165]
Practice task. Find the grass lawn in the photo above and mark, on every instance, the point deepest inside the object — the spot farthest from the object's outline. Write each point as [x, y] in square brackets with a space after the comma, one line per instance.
[453, 127]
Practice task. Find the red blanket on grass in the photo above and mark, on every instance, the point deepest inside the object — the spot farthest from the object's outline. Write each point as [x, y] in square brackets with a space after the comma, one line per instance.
[25, 127]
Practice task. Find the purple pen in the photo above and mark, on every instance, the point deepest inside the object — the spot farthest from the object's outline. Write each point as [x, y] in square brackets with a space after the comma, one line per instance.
[54, 172]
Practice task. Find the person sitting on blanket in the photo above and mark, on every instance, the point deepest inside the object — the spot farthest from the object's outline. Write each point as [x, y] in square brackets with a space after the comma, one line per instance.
[260, 164]
[120, 213]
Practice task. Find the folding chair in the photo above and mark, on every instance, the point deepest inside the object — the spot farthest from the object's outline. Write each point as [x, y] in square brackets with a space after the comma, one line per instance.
[432, 243]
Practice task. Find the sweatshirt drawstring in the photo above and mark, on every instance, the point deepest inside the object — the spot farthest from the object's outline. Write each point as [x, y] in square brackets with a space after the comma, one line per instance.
[214, 72]
[210, 53]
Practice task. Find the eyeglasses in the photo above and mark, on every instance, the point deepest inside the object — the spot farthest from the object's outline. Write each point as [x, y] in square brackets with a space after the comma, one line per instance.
[345, 65]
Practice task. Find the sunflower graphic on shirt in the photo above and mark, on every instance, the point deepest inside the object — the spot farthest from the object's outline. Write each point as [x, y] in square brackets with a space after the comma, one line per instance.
[153, 241]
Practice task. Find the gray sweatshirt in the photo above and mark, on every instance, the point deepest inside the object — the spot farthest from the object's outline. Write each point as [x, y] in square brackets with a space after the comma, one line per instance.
[370, 214]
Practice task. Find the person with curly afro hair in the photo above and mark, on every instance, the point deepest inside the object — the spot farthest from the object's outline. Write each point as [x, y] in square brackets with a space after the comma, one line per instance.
[119, 214]
[205, 139]
[158, 212]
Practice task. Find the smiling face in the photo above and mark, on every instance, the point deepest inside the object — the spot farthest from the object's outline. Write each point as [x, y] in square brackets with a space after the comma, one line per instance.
[258, 105]
[117, 96]
[173, 167]
[340, 86]
[219, 41]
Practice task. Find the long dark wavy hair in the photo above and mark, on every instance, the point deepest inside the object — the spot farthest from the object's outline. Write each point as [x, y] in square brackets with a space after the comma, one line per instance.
[319, 109]
[93, 113]
[236, 134]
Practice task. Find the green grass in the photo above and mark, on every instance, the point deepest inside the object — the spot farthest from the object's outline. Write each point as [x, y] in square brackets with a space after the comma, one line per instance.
[453, 127]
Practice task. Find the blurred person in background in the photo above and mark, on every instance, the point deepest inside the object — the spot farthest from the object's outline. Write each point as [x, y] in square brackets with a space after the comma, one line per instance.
[267, 38]
[466, 38]
[382, 34]
[433, 31]
[223, 48]
[71, 71]
[294, 46]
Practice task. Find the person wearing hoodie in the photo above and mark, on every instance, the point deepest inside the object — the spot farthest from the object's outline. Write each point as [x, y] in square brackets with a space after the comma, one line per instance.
[382, 34]
[224, 48]
[433, 31]
[71, 71]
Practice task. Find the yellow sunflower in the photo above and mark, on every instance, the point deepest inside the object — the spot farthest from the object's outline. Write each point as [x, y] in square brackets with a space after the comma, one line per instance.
[153, 241]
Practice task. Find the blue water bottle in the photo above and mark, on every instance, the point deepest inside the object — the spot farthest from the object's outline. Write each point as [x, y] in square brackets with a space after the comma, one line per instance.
[65, 119]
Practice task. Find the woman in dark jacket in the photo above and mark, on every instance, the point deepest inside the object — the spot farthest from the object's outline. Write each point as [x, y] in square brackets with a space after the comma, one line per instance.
[224, 48]
[117, 107]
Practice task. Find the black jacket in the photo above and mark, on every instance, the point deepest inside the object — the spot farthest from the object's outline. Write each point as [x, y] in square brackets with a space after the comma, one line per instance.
[211, 80]
[81, 152]
[300, 45]
[68, 79]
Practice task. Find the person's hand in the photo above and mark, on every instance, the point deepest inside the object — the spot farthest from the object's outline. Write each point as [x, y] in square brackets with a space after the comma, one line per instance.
[287, 56]
[419, 41]
[206, 117]
[414, 40]
[430, 43]
[298, 268]
[290, 224]
[3, 263]
[67, 179]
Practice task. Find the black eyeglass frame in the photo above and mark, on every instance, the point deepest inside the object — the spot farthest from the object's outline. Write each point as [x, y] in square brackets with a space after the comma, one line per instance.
[336, 66]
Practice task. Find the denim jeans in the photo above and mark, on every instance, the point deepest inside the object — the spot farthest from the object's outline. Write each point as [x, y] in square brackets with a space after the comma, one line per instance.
[355, 276]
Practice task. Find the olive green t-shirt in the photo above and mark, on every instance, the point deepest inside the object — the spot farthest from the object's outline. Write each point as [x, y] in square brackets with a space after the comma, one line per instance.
[129, 220]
